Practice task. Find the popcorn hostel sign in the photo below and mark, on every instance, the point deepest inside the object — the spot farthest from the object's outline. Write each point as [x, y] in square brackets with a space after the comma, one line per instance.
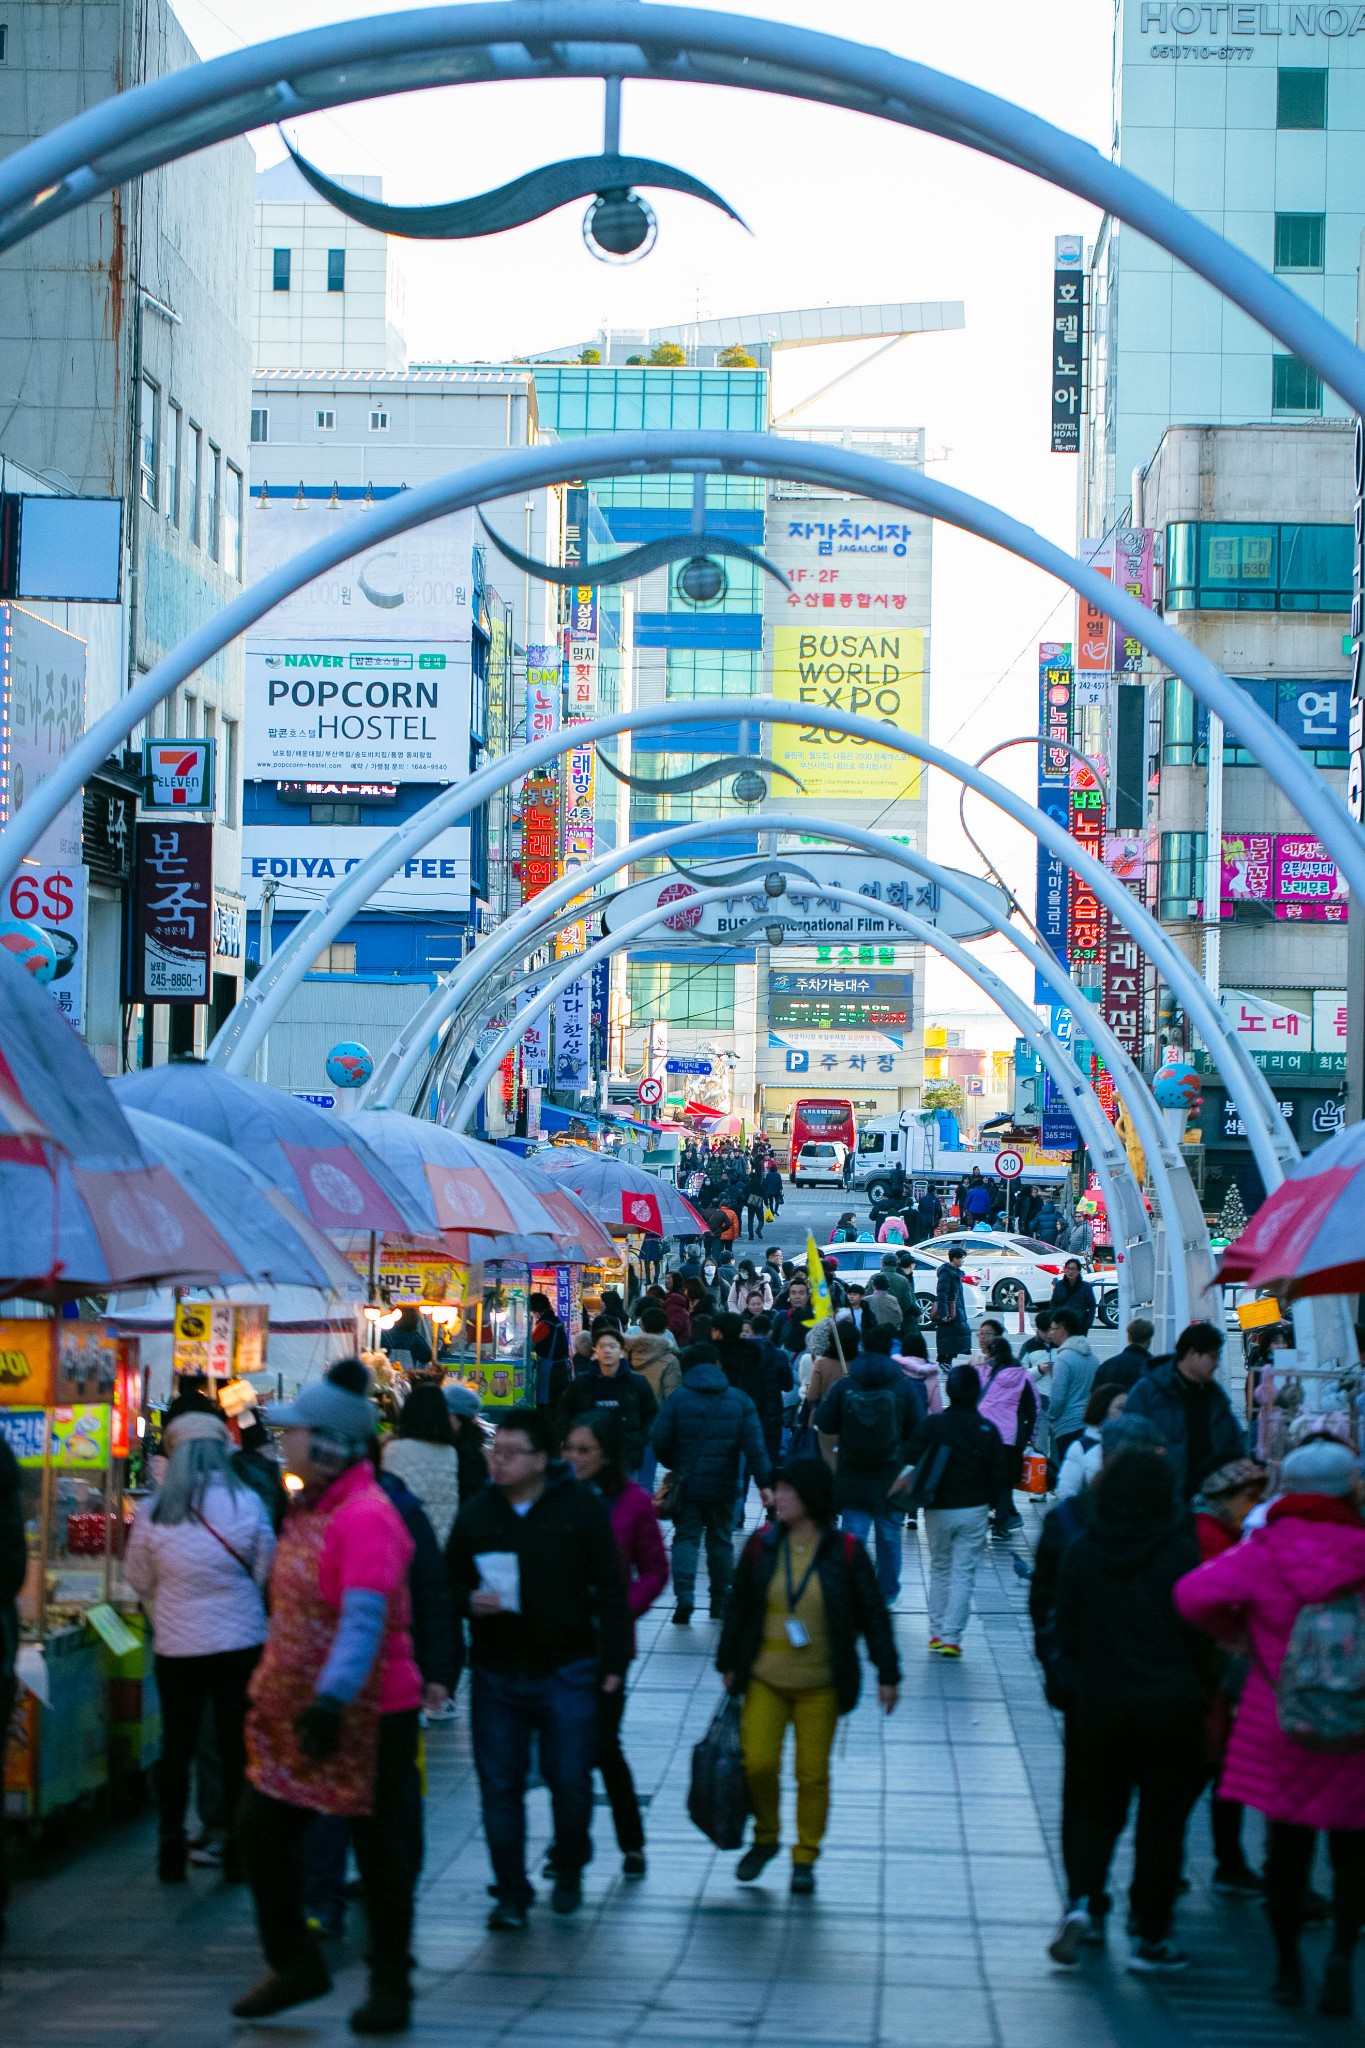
[388, 712]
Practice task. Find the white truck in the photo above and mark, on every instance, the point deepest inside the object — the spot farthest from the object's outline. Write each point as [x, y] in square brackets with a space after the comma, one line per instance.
[886, 1142]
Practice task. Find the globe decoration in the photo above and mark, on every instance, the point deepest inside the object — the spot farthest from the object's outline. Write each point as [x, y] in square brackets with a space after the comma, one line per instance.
[30, 947]
[1176, 1085]
[349, 1065]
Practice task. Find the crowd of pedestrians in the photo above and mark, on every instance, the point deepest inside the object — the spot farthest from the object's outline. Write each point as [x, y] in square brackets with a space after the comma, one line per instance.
[524, 1544]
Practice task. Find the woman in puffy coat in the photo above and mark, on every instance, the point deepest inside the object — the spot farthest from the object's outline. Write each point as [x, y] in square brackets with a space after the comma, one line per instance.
[594, 1449]
[421, 1452]
[1310, 1549]
[1009, 1399]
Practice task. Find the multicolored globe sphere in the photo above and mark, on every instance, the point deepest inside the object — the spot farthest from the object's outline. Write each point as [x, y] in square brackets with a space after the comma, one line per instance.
[1175, 1085]
[349, 1065]
[29, 946]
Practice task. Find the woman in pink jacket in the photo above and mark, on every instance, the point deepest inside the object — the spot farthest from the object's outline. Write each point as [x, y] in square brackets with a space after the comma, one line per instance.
[1311, 1549]
[595, 1453]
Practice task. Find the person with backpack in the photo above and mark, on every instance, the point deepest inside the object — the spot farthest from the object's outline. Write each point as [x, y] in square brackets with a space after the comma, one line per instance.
[1009, 1399]
[1292, 1590]
[702, 1432]
[871, 1416]
[952, 1331]
[961, 1469]
[803, 1595]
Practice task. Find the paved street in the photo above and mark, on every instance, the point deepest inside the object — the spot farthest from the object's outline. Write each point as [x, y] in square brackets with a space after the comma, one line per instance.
[938, 1890]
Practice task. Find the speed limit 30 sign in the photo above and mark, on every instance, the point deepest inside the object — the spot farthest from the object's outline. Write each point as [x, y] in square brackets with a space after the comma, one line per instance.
[1009, 1164]
[651, 1089]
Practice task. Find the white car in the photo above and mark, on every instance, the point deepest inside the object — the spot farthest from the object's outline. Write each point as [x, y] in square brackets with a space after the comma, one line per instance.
[820, 1161]
[861, 1261]
[1017, 1271]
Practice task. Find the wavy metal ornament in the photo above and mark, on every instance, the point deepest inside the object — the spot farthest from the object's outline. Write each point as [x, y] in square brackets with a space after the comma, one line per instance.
[787, 871]
[701, 778]
[514, 205]
[653, 554]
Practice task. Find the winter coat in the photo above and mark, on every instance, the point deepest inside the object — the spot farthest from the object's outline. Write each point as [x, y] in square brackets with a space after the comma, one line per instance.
[1061, 1526]
[764, 1372]
[640, 1546]
[924, 1373]
[1080, 1300]
[1009, 1400]
[794, 1328]
[628, 1392]
[853, 1607]
[737, 1300]
[572, 1588]
[1310, 1549]
[432, 1472]
[654, 1355]
[976, 1205]
[865, 1488]
[825, 1373]
[978, 1470]
[1157, 1395]
[701, 1433]
[1124, 1651]
[1081, 1463]
[437, 1646]
[893, 1231]
[952, 1330]
[202, 1599]
[677, 1316]
[1125, 1368]
[1048, 1222]
[550, 1343]
[1074, 1366]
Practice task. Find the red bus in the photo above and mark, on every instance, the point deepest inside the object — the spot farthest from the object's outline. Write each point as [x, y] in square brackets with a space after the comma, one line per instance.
[826, 1118]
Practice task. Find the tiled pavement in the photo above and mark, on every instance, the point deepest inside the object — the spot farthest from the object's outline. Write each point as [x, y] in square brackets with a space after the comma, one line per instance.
[937, 1892]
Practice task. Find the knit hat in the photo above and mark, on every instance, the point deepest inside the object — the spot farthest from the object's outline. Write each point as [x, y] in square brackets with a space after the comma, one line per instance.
[1129, 1433]
[1238, 1475]
[325, 1406]
[812, 1479]
[885, 1309]
[462, 1400]
[194, 1426]
[1321, 1466]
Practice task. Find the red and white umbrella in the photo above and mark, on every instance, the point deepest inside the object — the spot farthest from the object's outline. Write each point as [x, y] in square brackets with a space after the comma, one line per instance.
[458, 1183]
[1307, 1234]
[623, 1197]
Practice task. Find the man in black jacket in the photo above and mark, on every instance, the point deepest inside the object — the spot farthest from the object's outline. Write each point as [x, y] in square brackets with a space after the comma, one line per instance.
[961, 1470]
[872, 1414]
[533, 1562]
[13, 1566]
[1073, 1293]
[704, 1429]
[1181, 1395]
[1126, 1367]
[610, 1383]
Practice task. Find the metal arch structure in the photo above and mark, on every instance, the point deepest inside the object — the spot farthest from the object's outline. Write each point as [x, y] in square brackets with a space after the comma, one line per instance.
[750, 455]
[523, 40]
[1184, 1234]
[1123, 1198]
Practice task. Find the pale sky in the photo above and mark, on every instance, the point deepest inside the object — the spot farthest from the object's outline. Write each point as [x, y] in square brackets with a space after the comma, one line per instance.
[843, 209]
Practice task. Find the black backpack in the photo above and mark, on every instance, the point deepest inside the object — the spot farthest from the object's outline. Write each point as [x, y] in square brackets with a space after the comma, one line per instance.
[869, 1431]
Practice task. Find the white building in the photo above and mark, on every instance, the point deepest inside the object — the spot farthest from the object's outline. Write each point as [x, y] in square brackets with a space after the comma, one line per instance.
[327, 294]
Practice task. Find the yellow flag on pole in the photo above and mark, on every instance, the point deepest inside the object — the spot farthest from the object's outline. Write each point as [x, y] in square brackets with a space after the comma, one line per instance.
[819, 1286]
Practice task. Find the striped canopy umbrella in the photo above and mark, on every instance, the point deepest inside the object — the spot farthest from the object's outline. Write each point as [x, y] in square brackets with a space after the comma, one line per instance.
[457, 1183]
[623, 1197]
[1307, 1234]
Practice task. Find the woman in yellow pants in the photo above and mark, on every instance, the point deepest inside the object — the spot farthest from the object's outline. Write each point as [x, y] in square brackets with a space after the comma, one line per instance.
[803, 1594]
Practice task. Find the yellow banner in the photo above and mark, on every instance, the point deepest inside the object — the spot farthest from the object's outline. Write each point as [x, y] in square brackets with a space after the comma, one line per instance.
[877, 672]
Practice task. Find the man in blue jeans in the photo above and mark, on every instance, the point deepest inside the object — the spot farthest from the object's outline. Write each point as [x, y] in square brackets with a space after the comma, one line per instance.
[533, 1563]
[871, 1414]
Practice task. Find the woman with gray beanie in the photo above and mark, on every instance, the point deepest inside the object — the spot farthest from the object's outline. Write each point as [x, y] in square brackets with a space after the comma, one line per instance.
[334, 1707]
[1309, 1553]
[199, 1557]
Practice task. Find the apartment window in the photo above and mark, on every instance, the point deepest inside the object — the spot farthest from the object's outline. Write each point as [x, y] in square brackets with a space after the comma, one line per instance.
[213, 511]
[1296, 386]
[174, 429]
[702, 998]
[1253, 567]
[232, 523]
[1178, 724]
[211, 735]
[194, 462]
[147, 448]
[712, 672]
[379, 422]
[260, 423]
[4, 43]
[336, 270]
[229, 769]
[338, 958]
[334, 814]
[324, 419]
[1300, 239]
[282, 266]
[1181, 877]
[191, 731]
[1301, 99]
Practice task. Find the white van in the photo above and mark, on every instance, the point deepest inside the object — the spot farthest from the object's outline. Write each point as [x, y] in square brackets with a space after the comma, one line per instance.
[820, 1160]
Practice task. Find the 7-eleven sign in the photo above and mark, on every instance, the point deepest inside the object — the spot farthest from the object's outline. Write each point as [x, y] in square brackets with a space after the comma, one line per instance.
[178, 775]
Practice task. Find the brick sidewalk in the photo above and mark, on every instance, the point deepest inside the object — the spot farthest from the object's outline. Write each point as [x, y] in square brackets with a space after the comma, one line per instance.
[938, 1890]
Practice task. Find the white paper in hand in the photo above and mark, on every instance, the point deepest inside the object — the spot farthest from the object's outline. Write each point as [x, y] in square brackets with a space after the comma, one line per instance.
[500, 1573]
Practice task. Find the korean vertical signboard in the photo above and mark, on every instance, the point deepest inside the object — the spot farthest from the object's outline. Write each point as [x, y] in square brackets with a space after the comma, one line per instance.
[173, 953]
[1068, 342]
[1055, 681]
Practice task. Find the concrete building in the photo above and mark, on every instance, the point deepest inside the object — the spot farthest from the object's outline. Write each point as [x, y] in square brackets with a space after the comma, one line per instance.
[1257, 533]
[1260, 136]
[125, 372]
[327, 294]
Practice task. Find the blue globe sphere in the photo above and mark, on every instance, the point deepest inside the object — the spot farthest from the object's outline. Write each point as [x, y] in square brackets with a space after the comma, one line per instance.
[29, 946]
[1176, 1085]
[349, 1065]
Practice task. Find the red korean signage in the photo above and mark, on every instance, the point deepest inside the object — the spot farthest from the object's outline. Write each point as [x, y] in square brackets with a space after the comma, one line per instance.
[173, 950]
[1087, 920]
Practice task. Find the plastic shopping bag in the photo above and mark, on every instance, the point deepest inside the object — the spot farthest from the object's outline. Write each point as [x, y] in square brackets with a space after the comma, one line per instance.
[718, 1797]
